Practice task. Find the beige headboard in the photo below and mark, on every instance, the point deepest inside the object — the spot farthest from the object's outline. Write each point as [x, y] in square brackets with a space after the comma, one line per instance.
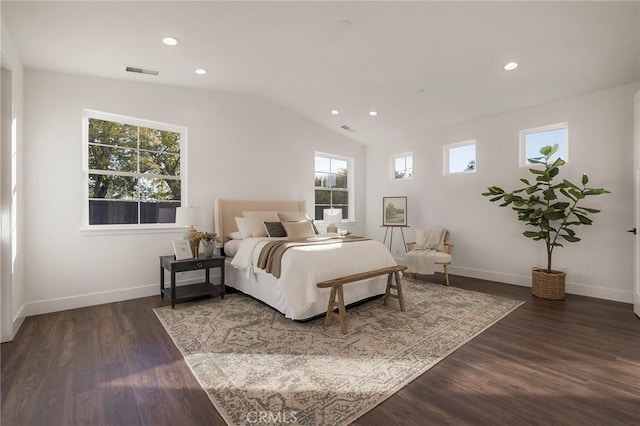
[225, 212]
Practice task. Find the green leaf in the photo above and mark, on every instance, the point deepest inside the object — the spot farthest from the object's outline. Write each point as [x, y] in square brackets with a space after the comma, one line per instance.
[546, 150]
[566, 194]
[560, 205]
[570, 238]
[536, 160]
[595, 191]
[577, 193]
[568, 184]
[495, 198]
[554, 215]
[588, 209]
[585, 179]
[537, 172]
[583, 219]
[553, 172]
[525, 181]
[531, 234]
[550, 195]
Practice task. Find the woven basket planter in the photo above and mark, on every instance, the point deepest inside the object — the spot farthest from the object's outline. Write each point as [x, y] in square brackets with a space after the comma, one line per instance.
[547, 285]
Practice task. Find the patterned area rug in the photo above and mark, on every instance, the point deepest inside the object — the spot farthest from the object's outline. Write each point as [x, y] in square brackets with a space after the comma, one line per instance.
[259, 367]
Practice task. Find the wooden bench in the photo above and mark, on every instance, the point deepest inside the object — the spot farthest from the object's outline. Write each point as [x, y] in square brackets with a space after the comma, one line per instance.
[336, 289]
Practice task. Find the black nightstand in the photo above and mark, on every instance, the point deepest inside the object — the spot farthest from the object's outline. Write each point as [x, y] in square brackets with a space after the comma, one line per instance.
[191, 291]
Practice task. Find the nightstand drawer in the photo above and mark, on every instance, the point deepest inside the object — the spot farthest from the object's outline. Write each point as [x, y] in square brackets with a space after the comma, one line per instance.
[194, 264]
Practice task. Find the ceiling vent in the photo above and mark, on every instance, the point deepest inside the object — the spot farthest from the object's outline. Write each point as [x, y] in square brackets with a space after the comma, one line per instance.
[142, 71]
[347, 128]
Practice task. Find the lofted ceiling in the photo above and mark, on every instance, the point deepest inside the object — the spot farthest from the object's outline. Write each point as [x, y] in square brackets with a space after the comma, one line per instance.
[420, 65]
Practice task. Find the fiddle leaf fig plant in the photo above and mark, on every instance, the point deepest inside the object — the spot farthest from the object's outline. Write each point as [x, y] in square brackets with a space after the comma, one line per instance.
[550, 206]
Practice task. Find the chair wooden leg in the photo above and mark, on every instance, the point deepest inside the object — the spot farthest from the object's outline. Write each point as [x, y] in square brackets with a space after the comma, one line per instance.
[332, 302]
[446, 274]
[342, 314]
[399, 291]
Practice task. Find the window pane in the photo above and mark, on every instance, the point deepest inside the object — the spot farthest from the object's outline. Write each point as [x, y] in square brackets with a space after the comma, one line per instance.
[322, 180]
[159, 163]
[323, 164]
[323, 196]
[535, 141]
[409, 160]
[112, 187]
[340, 197]
[462, 158]
[159, 140]
[112, 133]
[337, 166]
[112, 158]
[102, 212]
[341, 179]
[159, 189]
[400, 164]
[152, 212]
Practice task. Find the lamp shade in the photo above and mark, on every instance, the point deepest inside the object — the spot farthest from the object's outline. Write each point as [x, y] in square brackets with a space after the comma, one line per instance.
[332, 215]
[189, 216]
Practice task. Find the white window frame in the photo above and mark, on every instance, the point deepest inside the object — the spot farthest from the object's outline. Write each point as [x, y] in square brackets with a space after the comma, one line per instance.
[350, 185]
[393, 166]
[127, 228]
[446, 152]
[557, 126]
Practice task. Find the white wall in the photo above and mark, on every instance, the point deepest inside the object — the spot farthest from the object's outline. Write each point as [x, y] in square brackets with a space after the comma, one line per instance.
[487, 238]
[239, 146]
[12, 246]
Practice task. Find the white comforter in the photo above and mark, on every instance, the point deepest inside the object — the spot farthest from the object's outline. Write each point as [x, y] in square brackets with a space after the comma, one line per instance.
[304, 267]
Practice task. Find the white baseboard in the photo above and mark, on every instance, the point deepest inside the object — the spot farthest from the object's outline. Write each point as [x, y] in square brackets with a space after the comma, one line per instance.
[16, 322]
[579, 289]
[98, 298]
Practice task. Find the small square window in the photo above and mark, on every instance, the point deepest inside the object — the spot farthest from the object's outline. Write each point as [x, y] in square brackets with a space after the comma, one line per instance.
[402, 166]
[460, 157]
[531, 140]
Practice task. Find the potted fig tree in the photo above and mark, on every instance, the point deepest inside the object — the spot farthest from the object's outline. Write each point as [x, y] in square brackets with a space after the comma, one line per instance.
[552, 209]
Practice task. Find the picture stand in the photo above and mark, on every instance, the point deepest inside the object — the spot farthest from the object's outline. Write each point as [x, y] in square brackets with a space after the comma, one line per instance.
[393, 227]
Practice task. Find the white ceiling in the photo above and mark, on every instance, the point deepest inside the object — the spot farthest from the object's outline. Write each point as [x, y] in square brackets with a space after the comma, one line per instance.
[419, 64]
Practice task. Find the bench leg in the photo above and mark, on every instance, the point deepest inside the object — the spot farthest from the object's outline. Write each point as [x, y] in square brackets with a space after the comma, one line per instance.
[342, 311]
[387, 293]
[332, 302]
[399, 290]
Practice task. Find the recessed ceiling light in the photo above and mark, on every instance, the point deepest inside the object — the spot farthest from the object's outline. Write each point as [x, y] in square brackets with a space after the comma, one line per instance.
[511, 66]
[201, 71]
[335, 112]
[373, 113]
[170, 41]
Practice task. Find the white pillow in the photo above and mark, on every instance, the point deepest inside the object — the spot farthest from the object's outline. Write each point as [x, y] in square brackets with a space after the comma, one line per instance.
[292, 216]
[257, 219]
[299, 230]
[236, 235]
[243, 227]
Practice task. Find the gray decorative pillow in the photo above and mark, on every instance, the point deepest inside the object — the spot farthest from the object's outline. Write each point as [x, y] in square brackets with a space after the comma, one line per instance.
[275, 229]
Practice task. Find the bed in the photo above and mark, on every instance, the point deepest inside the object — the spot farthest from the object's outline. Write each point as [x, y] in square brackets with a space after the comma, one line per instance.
[295, 293]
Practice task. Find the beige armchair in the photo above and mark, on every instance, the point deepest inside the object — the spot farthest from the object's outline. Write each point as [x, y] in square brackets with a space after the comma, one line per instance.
[441, 258]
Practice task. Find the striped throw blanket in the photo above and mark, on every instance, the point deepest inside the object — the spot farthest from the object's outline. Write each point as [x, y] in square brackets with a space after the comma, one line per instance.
[270, 258]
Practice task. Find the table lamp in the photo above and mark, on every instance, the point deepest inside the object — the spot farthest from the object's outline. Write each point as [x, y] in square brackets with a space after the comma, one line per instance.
[332, 216]
[191, 216]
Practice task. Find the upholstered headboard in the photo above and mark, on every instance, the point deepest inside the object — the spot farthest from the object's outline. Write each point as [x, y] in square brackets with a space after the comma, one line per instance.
[225, 212]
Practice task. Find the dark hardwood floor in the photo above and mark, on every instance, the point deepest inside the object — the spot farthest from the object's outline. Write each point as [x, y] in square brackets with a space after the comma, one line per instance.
[575, 362]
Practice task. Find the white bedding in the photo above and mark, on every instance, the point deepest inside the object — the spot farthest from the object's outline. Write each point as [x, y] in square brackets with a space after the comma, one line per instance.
[303, 267]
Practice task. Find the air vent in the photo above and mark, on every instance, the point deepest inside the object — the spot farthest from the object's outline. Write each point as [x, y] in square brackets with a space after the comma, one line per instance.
[347, 128]
[142, 71]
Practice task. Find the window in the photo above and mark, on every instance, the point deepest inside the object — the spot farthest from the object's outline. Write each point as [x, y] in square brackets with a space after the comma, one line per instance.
[333, 185]
[133, 170]
[532, 140]
[403, 166]
[460, 157]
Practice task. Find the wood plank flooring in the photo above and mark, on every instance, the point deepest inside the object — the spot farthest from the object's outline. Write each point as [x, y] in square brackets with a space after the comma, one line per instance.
[575, 362]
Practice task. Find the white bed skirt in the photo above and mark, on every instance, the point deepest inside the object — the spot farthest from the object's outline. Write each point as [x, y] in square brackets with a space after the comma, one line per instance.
[265, 288]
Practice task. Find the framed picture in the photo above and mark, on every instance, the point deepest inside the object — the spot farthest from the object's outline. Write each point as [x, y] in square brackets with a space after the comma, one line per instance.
[182, 250]
[394, 211]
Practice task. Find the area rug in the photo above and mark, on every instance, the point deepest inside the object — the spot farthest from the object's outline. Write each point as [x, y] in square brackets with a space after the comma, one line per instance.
[260, 368]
